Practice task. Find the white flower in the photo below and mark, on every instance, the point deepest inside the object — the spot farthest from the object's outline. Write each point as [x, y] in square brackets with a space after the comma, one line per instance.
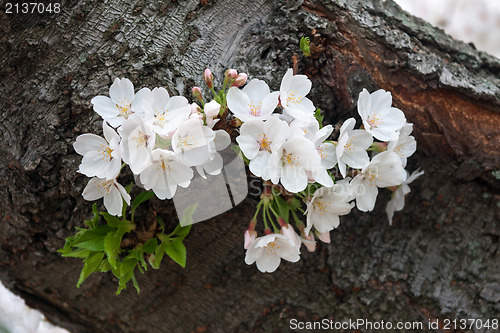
[379, 118]
[211, 110]
[384, 170]
[138, 141]
[293, 90]
[165, 113]
[406, 145]
[165, 173]
[101, 157]
[259, 139]
[213, 165]
[112, 192]
[397, 201]
[255, 101]
[351, 147]
[296, 162]
[288, 231]
[267, 252]
[118, 106]
[327, 204]
[311, 131]
[192, 142]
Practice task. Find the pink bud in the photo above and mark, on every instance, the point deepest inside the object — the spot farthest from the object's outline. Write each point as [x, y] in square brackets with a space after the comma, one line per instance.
[310, 243]
[231, 73]
[241, 79]
[197, 93]
[249, 238]
[209, 78]
[324, 237]
[195, 108]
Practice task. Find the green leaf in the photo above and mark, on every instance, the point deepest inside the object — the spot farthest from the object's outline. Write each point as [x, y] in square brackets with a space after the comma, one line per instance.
[90, 266]
[156, 258]
[160, 221]
[92, 239]
[142, 197]
[76, 253]
[112, 243]
[187, 215]
[122, 225]
[104, 266]
[319, 117]
[181, 232]
[95, 220]
[304, 46]
[177, 251]
[150, 246]
[126, 272]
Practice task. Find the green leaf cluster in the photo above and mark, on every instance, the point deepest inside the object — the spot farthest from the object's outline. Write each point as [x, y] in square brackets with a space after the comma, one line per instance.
[304, 46]
[100, 245]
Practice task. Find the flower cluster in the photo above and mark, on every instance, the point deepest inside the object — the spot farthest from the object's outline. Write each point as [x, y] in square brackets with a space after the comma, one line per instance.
[164, 139]
[291, 151]
[161, 137]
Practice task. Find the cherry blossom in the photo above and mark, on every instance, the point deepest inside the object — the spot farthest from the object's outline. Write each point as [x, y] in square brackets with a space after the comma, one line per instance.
[138, 141]
[397, 201]
[384, 170]
[351, 147]
[293, 90]
[405, 146]
[111, 190]
[165, 173]
[101, 156]
[379, 118]
[118, 106]
[254, 101]
[327, 204]
[295, 163]
[258, 140]
[267, 252]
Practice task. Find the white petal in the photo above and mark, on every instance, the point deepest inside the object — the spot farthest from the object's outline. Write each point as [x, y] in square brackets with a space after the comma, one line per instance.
[365, 201]
[222, 140]
[113, 202]
[364, 104]
[256, 90]
[88, 142]
[294, 179]
[237, 102]
[94, 189]
[269, 103]
[268, 263]
[105, 107]
[122, 92]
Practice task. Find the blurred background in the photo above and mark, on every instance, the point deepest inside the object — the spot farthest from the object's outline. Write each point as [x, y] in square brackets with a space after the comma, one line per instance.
[472, 21]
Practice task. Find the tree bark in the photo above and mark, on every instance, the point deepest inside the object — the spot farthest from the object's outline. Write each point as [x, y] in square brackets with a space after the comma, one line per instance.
[438, 260]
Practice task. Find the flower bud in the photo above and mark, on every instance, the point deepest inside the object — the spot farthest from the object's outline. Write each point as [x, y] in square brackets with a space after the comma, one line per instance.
[211, 112]
[195, 108]
[231, 73]
[229, 76]
[197, 93]
[250, 236]
[241, 79]
[324, 237]
[209, 78]
[309, 242]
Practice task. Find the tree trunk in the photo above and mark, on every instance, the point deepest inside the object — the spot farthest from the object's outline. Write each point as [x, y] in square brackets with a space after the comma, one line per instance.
[439, 259]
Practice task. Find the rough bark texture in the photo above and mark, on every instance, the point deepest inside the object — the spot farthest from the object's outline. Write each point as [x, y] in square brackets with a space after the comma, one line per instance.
[438, 260]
